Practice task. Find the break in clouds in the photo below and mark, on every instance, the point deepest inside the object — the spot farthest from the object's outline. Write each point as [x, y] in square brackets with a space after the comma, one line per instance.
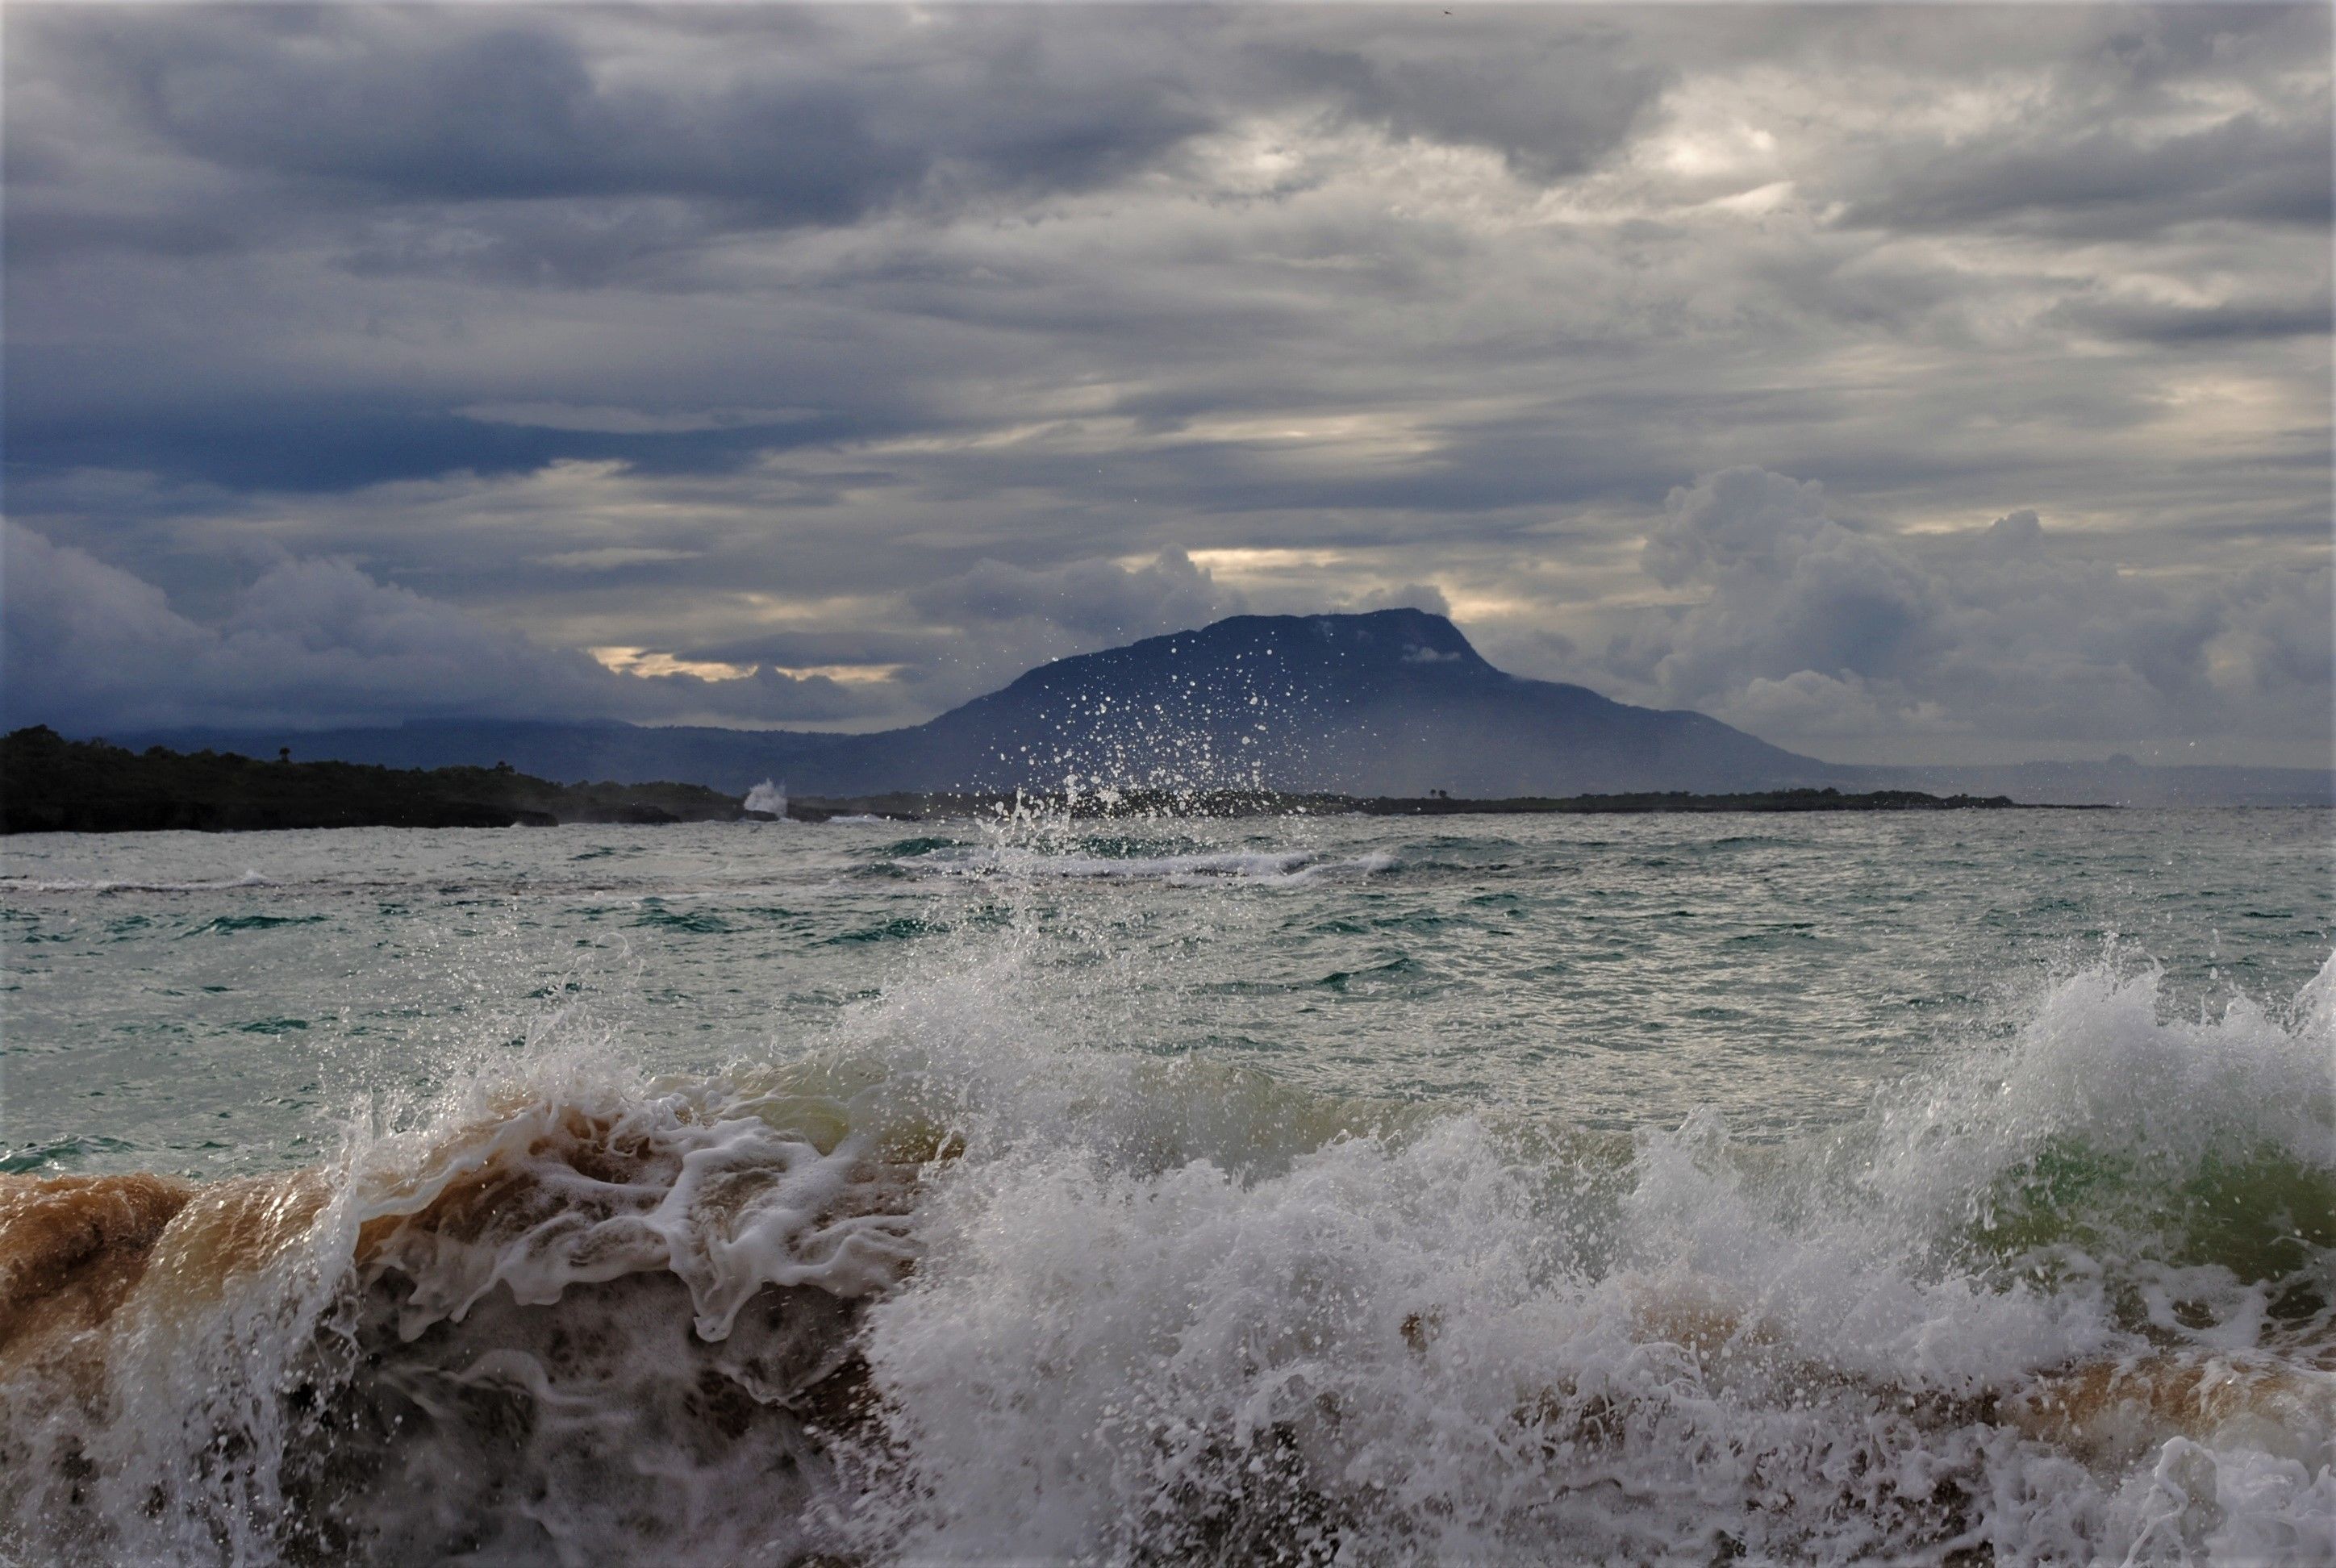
[1907, 384]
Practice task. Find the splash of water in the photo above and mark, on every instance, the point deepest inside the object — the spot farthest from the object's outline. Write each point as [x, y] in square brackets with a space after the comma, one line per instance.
[962, 1286]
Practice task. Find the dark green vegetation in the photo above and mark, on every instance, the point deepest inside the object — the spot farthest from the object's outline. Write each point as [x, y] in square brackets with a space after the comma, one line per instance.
[50, 784]
[1792, 800]
[1246, 803]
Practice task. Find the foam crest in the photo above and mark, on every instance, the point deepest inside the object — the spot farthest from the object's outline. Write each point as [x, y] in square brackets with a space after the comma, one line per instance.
[973, 1282]
[1380, 1352]
[100, 885]
[989, 1052]
[1451, 1341]
[443, 1338]
[591, 1187]
[1285, 866]
[2099, 1061]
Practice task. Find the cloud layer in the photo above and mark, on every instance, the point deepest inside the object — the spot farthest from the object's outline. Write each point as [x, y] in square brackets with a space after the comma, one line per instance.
[315, 642]
[1811, 633]
[934, 341]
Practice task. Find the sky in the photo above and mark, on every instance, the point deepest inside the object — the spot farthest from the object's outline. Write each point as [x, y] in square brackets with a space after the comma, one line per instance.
[1900, 385]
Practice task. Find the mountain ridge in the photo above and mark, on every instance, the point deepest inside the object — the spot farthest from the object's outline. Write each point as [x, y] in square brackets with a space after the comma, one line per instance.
[1388, 703]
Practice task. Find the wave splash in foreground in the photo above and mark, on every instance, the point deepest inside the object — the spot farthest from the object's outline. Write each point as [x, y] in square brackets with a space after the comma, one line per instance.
[952, 1293]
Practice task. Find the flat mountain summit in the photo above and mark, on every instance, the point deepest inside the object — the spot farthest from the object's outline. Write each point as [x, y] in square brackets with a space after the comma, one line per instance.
[1392, 703]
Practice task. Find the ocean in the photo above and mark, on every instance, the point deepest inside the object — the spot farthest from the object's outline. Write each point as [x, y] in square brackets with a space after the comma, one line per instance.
[1952, 1188]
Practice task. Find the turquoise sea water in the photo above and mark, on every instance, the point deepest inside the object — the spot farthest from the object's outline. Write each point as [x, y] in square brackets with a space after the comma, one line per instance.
[215, 1004]
[1575, 1188]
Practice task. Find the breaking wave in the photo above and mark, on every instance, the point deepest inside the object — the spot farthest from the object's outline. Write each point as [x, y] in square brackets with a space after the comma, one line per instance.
[1185, 869]
[954, 1288]
[73, 885]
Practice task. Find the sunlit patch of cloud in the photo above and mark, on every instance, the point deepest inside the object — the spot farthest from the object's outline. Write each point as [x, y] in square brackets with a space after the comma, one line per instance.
[645, 662]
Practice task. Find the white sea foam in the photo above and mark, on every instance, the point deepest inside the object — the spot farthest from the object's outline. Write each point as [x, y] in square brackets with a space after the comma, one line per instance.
[966, 1288]
[1442, 1345]
[569, 1315]
[1288, 866]
[75, 885]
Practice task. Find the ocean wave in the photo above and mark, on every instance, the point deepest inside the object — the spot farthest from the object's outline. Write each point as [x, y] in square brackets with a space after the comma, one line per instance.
[961, 1288]
[1462, 1342]
[226, 925]
[574, 1308]
[1262, 866]
[75, 885]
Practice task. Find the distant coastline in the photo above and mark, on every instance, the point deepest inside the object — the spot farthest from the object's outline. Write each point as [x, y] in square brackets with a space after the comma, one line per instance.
[1393, 705]
[51, 784]
[1276, 803]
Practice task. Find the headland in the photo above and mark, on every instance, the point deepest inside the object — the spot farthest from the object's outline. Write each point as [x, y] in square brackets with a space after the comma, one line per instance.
[51, 784]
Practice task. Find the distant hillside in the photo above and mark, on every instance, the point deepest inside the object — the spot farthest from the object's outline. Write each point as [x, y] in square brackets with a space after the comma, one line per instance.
[953, 804]
[50, 784]
[1391, 704]
[1395, 703]
[731, 760]
[2119, 781]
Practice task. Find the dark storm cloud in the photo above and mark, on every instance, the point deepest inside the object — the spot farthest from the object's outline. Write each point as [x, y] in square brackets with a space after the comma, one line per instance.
[2142, 134]
[2295, 316]
[2107, 183]
[829, 365]
[653, 131]
[761, 115]
[1550, 105]
[88, 646]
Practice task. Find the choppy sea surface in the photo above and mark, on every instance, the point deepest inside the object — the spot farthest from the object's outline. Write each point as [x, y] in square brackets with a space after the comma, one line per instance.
[1946, 1188]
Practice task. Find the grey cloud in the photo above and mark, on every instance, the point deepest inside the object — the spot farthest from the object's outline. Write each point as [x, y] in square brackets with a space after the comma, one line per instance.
[1555, 97]
[310, 644]
[2013, 536]
[607, 420]
[1803, 629]
[2111, 122]
[2302, 315]
[2107, 183]
[1020, 617]
[90, 643]
[1447, 302]
[1096, 599]
[613, 557]
[582, 147]
[529, 105]
[1792, 590]
[1423, 596]
[534, 147]
[2149, 119]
